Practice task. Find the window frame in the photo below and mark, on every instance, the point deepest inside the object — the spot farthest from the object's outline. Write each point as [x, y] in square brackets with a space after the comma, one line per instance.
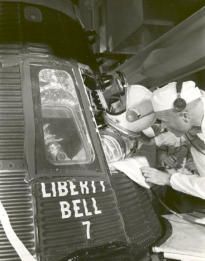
[42, 166]
[78, 122]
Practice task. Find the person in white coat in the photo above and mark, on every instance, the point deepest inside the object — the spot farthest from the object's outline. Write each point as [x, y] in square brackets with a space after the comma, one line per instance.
[181, 107]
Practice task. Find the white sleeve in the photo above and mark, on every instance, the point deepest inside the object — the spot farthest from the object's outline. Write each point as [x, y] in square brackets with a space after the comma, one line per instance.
[189, 184]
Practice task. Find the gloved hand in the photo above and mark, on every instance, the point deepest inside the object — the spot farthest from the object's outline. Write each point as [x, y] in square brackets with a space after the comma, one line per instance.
[167, 160]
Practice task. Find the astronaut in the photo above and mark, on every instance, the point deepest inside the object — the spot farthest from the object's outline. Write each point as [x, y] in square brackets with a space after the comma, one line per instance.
[120, 137]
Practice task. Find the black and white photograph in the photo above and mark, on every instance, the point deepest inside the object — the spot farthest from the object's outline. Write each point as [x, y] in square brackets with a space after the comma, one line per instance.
[102, 130]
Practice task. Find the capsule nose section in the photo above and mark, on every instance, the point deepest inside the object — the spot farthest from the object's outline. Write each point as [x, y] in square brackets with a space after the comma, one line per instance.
[132, 115]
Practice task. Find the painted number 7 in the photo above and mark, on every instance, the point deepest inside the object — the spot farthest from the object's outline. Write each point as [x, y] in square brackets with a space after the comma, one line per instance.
[87, 224]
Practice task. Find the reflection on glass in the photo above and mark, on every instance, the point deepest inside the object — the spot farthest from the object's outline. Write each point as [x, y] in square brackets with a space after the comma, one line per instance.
[66, 137]
[57, 86]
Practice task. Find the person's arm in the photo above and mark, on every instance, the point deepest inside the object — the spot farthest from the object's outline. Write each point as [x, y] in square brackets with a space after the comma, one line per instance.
[190, 184]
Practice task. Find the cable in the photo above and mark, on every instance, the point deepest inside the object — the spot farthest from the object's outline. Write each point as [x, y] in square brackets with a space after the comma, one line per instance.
[194, 145]
[187, 218]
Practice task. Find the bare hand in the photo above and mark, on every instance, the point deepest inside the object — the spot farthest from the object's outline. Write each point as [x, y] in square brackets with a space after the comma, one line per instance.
[156, 176]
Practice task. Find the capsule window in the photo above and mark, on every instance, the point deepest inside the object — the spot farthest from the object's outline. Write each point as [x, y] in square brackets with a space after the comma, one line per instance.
[66, 138]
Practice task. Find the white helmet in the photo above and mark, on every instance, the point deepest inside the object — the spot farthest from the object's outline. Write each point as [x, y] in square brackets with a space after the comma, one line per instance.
[138, 115]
